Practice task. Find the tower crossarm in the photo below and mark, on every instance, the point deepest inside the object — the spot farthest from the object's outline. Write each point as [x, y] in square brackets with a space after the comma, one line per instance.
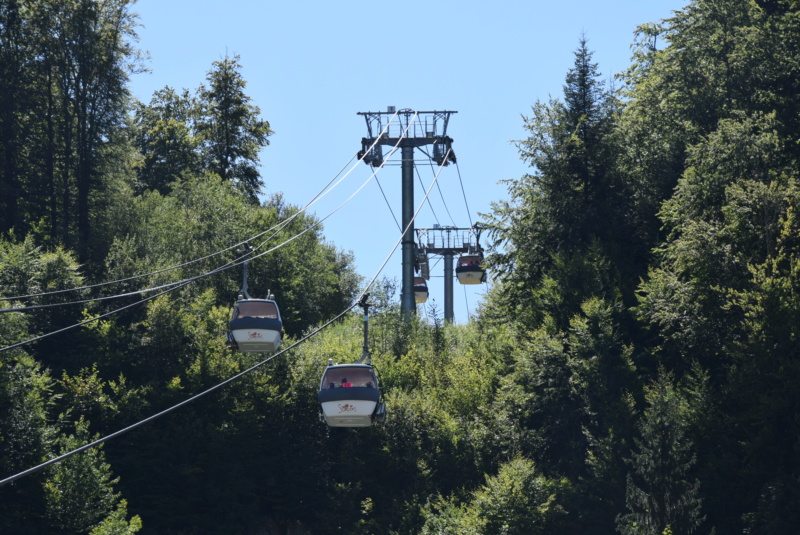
[406, 128]
[449, 240]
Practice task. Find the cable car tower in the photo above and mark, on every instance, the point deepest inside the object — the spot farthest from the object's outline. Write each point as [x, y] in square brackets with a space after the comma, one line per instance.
[407, 130]
[446, 242]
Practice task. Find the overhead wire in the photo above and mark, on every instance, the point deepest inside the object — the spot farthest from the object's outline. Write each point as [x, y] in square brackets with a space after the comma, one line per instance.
[177, 266]
[275, 229]
[429, 201]
[88, 300]
[322, 193]
[441, 194]
[464, 193]
[181, 284]
[367, 181]
[400, 239]
[278, 226]
[466, 301]
[447, 209]
[172, 285]
[219, 269]
[227, 381]
[387, 203]
[167, 410]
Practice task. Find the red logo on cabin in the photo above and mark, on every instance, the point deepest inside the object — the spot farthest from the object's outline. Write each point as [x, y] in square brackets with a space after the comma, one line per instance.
[347, 407]
[255, 335]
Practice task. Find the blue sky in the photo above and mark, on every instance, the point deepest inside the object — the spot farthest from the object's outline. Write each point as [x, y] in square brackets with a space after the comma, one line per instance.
[311, 66]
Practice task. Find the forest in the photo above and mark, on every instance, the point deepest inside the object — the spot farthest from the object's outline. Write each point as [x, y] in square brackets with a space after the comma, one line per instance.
[634, 368]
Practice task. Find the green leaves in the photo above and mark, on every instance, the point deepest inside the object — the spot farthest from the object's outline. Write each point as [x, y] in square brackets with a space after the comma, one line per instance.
[218, 130]
[79, 490]
[164, 134]
[117, 524]
[518, 500]
[654, 242]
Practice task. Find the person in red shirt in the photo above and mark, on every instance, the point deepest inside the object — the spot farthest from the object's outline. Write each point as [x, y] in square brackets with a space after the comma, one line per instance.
[345, 384]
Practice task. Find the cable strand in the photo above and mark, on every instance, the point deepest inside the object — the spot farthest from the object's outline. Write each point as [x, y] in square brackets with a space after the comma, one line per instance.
[227, 381]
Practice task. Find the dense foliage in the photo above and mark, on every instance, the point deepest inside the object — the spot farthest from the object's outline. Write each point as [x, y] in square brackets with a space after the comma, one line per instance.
[633, 370]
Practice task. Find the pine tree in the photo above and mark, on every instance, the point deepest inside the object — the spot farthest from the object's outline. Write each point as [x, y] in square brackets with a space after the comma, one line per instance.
[660, 495]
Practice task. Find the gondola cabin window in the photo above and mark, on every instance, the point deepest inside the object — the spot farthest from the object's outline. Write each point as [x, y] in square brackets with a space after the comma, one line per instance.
[469, 261]
[256, 309]
[349, 378]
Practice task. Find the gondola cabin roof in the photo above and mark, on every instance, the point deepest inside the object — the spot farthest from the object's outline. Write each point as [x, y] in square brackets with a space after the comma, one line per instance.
[255, 325]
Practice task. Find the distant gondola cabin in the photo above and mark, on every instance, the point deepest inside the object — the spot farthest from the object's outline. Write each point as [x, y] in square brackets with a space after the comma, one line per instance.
[349, 396]
[420, 290]
[469, 269]
[255, 326]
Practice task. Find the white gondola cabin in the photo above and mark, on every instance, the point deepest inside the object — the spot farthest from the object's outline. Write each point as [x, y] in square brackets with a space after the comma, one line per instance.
[350, 396]
[469, 269]
[420, 290]
[255, 326]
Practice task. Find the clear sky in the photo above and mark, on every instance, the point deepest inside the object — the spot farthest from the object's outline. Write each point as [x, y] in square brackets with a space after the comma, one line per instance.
[311, 66]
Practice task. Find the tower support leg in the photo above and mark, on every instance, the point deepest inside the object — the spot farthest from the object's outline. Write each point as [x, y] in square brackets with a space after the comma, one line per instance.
[448, 287]
[407, 303]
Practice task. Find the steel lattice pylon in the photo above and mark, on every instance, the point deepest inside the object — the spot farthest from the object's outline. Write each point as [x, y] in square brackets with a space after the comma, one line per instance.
[406, 129]
[446, 242]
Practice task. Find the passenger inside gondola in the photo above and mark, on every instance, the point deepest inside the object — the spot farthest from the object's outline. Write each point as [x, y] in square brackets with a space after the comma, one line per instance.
[359, 378]
[256, 309]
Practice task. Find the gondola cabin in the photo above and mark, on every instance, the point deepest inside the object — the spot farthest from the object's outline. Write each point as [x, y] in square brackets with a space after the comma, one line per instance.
[420, 290]
[350, 397]
[469, 269]
[255, 326]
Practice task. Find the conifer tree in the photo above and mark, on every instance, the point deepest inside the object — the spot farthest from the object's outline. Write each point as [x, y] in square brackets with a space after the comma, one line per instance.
[12, 90]
[230, 128]
[660, 494]
[564, 232]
